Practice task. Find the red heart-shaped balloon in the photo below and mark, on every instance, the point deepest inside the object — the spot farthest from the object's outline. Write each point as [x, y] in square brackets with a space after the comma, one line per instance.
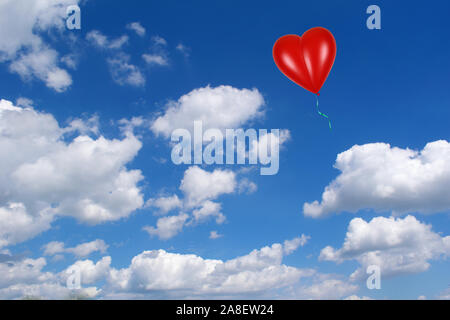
[306, 60]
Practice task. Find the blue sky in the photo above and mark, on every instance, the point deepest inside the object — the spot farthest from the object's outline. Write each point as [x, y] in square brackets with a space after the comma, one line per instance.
[387, 86]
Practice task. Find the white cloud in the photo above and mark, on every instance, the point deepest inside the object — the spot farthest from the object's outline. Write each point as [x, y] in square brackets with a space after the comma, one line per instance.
[81, 250]
[90, 272]
[161, 274]
[155, 59]
[42, 64]
[174, 275]
[199, 185]
[44, 174]
[124, 73]
[21, 24]
[396, 245]
[137, 27]
[384, 178]
[292, 245]
[24, 102]
[167, 227]
[325, 287]
[100, 40]
[209, 209]
[159, 41]
[215, 235]
[220, 107]
[165, 204]
[70, 60]
[199, 188]
[53, 248]
[247, 186]
[18, 225]
[25, 279]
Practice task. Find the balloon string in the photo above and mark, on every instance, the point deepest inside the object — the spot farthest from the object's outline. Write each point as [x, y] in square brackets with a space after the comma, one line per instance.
[322, 114]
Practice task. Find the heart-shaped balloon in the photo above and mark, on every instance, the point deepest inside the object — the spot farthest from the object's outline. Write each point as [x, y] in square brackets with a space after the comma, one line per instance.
[306, 60]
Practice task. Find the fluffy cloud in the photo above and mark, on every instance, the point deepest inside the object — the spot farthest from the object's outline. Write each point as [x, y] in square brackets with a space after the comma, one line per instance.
[42, 65]
[165, 204]
[21, 24]
[220, 107]
[90, 272]
[199, 188]
[25, 279]
[209, 209]
[167, 227]
[81, 250]
[397, 246]
[159, 273]
[384, 178]
[325, 287]
[44, 174]
[18, 225]
[199, 185]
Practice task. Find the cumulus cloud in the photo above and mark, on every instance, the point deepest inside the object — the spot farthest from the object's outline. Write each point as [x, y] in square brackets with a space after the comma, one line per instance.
[199, 185]
[220, 107]
[82, 250]
[18, 225]
[167, 227]
[396, 245]
[22, 23]
[90, 272]
[26, 279]
[44, 174]
[165, 204]
[160, 273]
[200, 189]
[42, 64]
[325, 287]
[384, 178]
[209, 209]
